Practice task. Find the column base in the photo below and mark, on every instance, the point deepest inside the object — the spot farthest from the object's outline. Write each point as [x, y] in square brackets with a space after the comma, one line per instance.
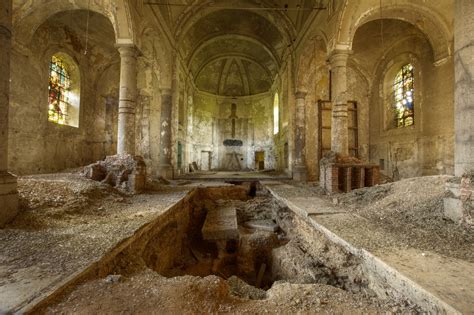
[8, 198]
[300, 173]
[166, 171]
[459, 204]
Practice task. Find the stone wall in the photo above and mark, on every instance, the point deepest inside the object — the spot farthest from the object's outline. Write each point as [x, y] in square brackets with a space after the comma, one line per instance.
[254, 124]
[426, 148]
[39, 146]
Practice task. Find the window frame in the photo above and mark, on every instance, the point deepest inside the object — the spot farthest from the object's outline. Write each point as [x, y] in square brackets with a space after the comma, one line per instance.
[403, 94]
[276, 114]
[389, 70]
[74, 98]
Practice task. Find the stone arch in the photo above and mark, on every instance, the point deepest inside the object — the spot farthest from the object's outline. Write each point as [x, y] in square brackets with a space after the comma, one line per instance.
[201, 10]
[195, 13]
[31, 15]
[157, 52]
[311, 59]
[431, 23]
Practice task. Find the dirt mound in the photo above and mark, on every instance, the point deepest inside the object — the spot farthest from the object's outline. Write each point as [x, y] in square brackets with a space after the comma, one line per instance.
[45, 200]
[45, 191]
[412, 210]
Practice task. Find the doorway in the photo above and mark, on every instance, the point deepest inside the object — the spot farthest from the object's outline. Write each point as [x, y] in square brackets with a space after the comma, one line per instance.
[260, 160]
[205, 160]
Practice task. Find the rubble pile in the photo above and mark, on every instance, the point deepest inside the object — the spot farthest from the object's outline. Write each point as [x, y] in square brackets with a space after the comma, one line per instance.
[125, 172]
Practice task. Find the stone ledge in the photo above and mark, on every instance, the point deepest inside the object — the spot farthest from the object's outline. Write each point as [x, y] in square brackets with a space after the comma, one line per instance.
[386, 280]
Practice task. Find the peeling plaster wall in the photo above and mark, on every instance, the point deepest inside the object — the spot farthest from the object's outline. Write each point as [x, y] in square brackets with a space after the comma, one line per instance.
[319, 90]
[254, 126]
[358, 91]
[426, 148]
[153, 76]
[37, 145]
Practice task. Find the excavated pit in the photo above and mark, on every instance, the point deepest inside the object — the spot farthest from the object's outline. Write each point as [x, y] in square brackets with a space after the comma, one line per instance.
[220, 250]
[266, 243]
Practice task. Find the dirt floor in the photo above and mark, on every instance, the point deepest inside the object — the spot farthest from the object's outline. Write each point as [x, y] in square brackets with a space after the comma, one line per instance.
[307, 273]
[149, 293]
[405, 214]
[403, 224]
[68, 222]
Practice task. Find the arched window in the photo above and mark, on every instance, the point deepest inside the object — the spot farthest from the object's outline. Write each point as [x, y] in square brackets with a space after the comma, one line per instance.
[64, 91]
[276, 114]
[404, 96]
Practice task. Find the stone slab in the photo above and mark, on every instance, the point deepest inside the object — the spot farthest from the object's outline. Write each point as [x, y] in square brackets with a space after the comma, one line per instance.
[315, 205]
[221, 224]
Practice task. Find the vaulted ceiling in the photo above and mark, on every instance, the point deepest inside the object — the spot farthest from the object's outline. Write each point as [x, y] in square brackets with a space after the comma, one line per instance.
[234, 47]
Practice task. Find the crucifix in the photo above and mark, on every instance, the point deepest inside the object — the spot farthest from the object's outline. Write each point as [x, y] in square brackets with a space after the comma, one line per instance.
[233, 116]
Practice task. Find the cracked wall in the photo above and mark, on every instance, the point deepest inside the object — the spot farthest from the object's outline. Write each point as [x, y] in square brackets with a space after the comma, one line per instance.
[426, 148]
[212, 124]
[39, 146]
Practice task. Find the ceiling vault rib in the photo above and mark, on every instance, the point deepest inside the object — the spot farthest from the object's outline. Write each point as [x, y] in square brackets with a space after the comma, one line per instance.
[267, 49]
[257, 8]
[244, 76]
[226, 56]
[223, 79]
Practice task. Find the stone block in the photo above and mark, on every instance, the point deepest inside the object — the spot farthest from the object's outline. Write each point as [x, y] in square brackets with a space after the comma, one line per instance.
[221, 224]
[126, 172]
[453, 209]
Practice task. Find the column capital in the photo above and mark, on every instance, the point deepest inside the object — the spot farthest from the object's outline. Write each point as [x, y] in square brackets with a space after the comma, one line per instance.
[339, 57]
[128, 50]
[300, 94]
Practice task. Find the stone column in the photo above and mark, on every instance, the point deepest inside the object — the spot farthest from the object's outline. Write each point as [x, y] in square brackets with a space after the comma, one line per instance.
[165, 167]
[127, 99]
[8, 183]
[464, 86]
[299, 168]
[339, 131]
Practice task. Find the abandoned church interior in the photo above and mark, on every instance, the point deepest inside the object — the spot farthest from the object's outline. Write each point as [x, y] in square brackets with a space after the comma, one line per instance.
[236, 156]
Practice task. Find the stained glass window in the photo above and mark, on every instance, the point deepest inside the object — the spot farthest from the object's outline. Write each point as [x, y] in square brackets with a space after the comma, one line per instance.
[59, 91]
[403, 90]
